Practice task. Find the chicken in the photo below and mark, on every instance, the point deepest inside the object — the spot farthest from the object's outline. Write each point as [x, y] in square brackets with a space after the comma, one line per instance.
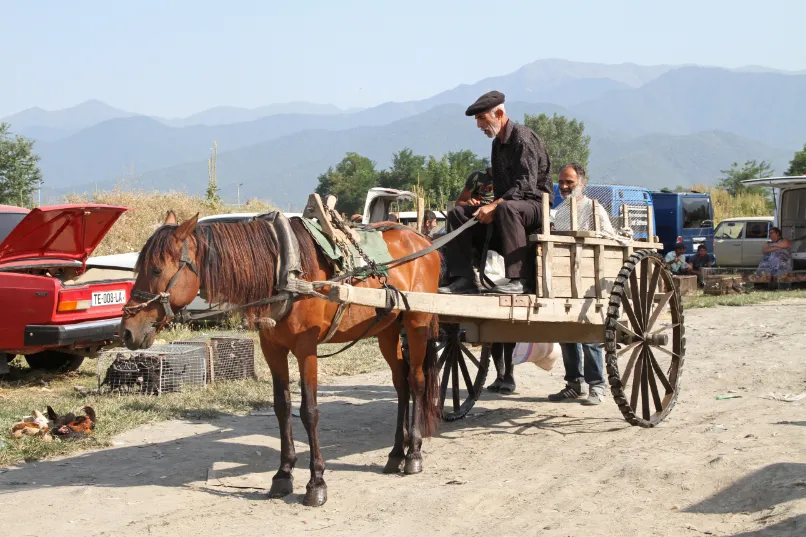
[71, 426]
[36, 425]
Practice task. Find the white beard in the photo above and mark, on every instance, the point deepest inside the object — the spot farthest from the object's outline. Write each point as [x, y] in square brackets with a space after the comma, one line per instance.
[492, 130]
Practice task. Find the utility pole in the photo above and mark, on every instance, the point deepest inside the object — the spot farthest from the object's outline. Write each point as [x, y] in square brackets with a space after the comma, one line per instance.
[239, 193]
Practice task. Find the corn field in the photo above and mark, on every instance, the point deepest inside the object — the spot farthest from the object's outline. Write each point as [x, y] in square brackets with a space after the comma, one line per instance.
[742, 204]
[147, 212]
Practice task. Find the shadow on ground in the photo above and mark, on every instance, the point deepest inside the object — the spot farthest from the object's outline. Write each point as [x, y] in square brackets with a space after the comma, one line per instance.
[353, 420]
[761, 492]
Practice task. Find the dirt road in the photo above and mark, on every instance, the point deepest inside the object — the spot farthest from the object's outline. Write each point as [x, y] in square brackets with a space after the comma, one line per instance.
[516, 466]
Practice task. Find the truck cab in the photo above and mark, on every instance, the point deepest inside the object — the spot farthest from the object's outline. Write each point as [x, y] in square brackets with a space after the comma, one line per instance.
[686, 217]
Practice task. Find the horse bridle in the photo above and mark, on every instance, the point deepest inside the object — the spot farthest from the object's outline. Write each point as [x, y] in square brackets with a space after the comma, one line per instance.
[164, 298]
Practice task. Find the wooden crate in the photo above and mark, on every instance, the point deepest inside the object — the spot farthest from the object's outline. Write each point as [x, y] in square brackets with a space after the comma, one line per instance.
[722, 284]
[567, 270]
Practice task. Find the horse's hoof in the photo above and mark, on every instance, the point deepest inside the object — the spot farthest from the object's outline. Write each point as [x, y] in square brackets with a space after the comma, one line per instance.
[413, 466]
[315, 496]
[281, 487]
[393, 465]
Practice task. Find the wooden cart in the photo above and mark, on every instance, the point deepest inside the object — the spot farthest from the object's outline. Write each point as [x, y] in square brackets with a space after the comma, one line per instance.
[589, 290]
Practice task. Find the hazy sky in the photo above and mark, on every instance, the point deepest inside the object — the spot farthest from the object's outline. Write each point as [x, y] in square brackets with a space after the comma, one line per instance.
[173, 58]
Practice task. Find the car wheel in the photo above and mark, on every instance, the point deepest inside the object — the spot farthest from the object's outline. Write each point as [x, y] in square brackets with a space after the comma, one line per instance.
[54, 361]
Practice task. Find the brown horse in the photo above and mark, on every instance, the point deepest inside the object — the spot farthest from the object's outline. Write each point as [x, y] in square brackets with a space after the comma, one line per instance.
[235, 264]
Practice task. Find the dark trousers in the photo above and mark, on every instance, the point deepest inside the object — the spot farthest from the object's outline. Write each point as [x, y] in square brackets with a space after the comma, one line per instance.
[512, 223]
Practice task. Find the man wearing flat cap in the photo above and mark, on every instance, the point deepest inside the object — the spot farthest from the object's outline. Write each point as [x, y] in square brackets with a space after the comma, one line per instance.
[521, 173]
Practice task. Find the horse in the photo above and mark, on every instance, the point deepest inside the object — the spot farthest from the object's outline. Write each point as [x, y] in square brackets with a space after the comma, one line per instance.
[235, 263]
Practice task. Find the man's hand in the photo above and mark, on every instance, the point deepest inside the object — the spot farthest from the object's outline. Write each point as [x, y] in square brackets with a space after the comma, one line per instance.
[473, 202]
[486, 213]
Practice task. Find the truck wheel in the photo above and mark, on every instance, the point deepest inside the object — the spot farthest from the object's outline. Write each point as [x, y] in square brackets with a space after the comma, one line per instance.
[5, 359]
[54, 361]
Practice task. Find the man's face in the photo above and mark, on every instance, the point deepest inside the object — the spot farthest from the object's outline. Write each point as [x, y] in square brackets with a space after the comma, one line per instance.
[679, 251]
[430, 225]
[702, 252]
[568, 182]
[489, 123]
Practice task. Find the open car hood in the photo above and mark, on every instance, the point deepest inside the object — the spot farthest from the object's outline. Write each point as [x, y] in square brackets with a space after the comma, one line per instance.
[60, 232]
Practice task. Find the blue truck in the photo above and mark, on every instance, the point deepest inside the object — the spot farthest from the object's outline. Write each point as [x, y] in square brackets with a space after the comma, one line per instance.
[684, 217]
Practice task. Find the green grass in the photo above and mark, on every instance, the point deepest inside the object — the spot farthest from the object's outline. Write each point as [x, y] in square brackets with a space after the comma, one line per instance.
[24, 390]
[745, 299]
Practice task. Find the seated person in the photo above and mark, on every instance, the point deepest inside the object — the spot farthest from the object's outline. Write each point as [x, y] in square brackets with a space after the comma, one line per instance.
[677, 263]
[700, 261]
[429, 224]
[478, 189]
[521, 174]
[777, 259]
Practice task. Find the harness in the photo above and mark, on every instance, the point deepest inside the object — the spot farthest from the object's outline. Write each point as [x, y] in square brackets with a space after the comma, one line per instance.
[164, 298]
[297, 289]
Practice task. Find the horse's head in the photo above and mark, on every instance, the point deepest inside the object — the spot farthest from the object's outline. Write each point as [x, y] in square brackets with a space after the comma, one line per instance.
[167, 281]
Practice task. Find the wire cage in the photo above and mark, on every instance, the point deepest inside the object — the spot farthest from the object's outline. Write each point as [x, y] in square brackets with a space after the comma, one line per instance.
[154, 371]
[622, 211]
[228, 357]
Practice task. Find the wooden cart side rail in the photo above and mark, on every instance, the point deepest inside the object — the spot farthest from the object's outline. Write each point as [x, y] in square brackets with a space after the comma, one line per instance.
[519, 308]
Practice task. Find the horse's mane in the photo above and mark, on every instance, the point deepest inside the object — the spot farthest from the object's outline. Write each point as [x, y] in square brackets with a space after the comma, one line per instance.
[237, 259]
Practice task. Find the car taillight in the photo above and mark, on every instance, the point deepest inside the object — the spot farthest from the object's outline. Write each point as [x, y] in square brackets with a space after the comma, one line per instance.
[74, 300]
[679, 239]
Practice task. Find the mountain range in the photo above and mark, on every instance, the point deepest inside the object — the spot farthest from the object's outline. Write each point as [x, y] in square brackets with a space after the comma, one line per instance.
[650, 125]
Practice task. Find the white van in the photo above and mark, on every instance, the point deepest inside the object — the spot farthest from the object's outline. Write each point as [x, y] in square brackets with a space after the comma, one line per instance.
[790, 211]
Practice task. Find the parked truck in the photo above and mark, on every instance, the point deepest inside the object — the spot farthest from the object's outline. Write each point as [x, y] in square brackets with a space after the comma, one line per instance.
[684, 217]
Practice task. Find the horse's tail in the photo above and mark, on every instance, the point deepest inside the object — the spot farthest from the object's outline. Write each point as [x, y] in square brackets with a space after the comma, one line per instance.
[432, 410]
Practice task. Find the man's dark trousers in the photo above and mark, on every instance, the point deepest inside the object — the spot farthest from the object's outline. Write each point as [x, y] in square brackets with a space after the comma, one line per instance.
[513, 221]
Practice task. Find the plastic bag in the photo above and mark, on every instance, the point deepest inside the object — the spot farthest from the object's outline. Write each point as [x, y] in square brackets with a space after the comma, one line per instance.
[495, 269]
[543, 355]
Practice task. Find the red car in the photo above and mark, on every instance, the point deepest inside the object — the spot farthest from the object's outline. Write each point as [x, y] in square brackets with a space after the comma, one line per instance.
[55, 308]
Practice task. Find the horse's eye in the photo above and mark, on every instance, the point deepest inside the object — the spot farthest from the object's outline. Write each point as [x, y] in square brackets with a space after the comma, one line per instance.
[156, 271]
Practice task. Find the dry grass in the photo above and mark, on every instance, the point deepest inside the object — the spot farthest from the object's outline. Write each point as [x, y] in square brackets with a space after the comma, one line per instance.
[23, 390]
[147, 213]
[701, 300]
[745, 204]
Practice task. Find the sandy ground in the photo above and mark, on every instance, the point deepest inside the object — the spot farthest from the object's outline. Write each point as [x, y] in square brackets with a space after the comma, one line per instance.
[515, 466]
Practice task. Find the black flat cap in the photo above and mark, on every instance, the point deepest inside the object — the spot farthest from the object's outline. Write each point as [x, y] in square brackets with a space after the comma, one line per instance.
[487, 101]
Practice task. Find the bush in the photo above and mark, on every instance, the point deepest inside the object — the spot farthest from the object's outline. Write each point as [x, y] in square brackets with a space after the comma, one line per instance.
[147, 212]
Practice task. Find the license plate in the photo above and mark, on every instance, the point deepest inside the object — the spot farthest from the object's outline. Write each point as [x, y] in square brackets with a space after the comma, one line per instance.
[109, 298]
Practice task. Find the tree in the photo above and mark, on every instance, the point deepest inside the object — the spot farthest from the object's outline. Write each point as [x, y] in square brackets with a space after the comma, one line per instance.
[733, 178]
[349, 181]
[19, 171]
[406, 169]
[797, 166]
[565, 139]
[444, 178]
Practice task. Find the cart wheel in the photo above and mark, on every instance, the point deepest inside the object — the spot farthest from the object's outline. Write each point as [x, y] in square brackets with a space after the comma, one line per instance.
[459, 367]
[645, 337]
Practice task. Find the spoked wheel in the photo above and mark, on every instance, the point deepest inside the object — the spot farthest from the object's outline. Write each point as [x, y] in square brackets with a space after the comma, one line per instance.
[645, 340]
[462, 373]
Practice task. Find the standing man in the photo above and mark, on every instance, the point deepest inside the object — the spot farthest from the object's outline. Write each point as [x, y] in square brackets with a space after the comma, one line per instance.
[578, 372]
[521, 172]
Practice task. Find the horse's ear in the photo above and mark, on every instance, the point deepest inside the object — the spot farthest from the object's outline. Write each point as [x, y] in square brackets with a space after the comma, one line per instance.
[170, 218]
[186, 228]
